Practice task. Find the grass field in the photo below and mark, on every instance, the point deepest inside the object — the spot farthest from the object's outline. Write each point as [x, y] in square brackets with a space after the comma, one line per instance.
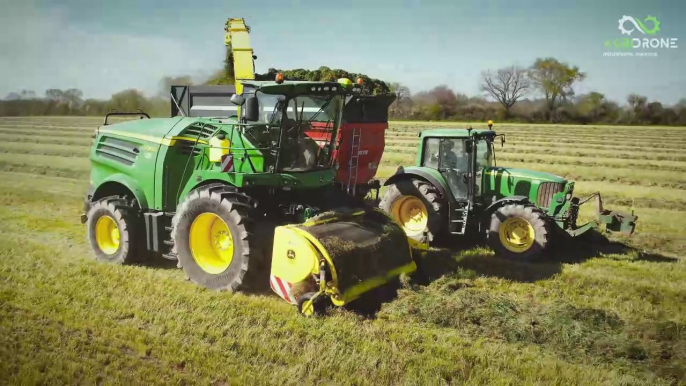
[595, 313]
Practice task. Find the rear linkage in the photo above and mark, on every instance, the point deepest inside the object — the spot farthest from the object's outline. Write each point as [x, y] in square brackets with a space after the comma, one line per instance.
[615, 221]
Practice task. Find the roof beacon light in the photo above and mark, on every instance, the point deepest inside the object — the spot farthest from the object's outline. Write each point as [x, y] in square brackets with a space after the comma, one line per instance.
[279, 78]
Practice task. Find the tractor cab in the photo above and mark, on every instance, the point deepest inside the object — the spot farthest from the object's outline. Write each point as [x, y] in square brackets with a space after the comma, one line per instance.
[461, 156]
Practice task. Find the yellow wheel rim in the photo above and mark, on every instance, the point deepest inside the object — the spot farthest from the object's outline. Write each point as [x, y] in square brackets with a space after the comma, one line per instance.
[517, 234]
[211, 243]
[307, 308]
[107, 235]
[411, 213]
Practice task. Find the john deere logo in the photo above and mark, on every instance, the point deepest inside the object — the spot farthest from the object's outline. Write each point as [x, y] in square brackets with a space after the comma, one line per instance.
[638, 25]
[290, 254]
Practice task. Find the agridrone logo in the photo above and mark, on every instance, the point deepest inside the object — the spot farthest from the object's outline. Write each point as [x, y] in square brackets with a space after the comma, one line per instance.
[645, 44]
[639, 26]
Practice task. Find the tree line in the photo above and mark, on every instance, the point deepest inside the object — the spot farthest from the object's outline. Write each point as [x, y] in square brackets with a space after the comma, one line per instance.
[71, 102]
[543, 92]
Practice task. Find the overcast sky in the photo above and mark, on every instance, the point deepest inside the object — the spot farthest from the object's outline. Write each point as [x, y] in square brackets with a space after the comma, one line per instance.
[102, 47]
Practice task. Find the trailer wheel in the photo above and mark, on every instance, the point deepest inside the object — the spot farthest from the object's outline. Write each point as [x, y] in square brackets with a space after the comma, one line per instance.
[519, 232]
[114, 230]
[211, 238]
[417, 206]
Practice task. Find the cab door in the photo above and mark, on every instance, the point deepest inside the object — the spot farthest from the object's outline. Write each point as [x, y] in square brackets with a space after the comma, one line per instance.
[454, 165]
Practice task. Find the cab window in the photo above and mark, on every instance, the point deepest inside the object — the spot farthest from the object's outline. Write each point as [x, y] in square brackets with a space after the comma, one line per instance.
[431, 150]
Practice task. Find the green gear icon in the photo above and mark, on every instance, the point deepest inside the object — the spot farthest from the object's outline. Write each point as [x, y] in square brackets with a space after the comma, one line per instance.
[656, 25]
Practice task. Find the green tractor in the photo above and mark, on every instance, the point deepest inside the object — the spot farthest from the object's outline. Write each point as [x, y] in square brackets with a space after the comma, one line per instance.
[220, 194]
[456, 189]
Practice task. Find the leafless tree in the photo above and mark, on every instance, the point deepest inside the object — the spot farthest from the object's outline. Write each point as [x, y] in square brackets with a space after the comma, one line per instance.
[402, 96]
[507, 85]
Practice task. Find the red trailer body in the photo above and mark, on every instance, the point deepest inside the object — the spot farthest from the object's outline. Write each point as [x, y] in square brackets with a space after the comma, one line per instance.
[371, 140]
[365, 120]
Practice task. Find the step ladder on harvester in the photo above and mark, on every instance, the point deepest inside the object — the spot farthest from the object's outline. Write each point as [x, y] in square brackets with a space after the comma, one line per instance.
[354, 161]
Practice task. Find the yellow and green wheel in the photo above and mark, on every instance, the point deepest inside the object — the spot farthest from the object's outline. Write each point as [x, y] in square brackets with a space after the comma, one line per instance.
[211, 243]
[410, 212]
[417, 206]
[519, 231]
[516, 234]
[107, 235]
[213, 239]
[112, 223]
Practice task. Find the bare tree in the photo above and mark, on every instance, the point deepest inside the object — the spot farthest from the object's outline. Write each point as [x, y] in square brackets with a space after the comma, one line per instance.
[507, 85]
[402, 96]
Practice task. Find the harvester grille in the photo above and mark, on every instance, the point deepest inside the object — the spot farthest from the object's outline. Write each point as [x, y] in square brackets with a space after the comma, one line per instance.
[202, 132]
[546, 190]
[118, 150]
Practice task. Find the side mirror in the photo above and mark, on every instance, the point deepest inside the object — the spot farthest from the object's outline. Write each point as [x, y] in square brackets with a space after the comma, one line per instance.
[502, 141]
[469, 146]
[252, 110]
[237, 99]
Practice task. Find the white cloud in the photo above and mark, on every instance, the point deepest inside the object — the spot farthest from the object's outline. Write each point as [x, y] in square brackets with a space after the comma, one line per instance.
[40, 49]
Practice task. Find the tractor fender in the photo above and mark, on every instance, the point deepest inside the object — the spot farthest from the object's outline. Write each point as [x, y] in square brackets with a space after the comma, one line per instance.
[409, 173]
[504, 201]
[129, 183]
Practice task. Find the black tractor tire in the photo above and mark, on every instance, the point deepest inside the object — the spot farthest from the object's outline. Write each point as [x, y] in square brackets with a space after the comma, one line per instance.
[233, 208]
[122, 213]
[436, 205]
[536, 219]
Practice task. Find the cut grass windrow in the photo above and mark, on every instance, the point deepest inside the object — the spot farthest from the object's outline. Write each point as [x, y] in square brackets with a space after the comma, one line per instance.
[41, 128]
[505, 159]
[579, 144]
[45, 149]
[552, 137]
[27, 138]
[48, 133]
[411, 148]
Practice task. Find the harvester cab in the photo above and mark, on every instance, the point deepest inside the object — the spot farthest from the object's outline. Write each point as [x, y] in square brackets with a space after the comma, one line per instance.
[456, 188]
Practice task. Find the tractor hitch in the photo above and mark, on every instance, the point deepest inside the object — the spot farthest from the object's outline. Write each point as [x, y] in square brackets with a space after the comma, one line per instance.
[615, 221]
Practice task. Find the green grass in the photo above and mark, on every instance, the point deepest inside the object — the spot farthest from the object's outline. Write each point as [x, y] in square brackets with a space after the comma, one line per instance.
[592, 313]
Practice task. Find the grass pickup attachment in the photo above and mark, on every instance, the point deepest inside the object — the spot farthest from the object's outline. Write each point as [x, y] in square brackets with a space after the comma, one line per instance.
[337, 256]
[615, 221]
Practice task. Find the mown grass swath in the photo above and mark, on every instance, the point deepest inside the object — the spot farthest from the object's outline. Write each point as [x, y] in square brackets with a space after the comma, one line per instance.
[593, 313]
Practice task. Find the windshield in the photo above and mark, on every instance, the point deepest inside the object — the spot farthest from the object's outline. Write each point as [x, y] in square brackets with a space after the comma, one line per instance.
[300, 128]
[306, 108]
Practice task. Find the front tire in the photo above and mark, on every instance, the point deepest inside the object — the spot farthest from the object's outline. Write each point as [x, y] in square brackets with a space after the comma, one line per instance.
[417, 206]
[518, 231]
[211, 238]
[114, 230]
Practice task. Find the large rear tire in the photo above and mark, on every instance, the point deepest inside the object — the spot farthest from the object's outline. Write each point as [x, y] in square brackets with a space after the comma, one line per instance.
[114, 230]
[520, 232]
[417, 206]
[212, 238]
